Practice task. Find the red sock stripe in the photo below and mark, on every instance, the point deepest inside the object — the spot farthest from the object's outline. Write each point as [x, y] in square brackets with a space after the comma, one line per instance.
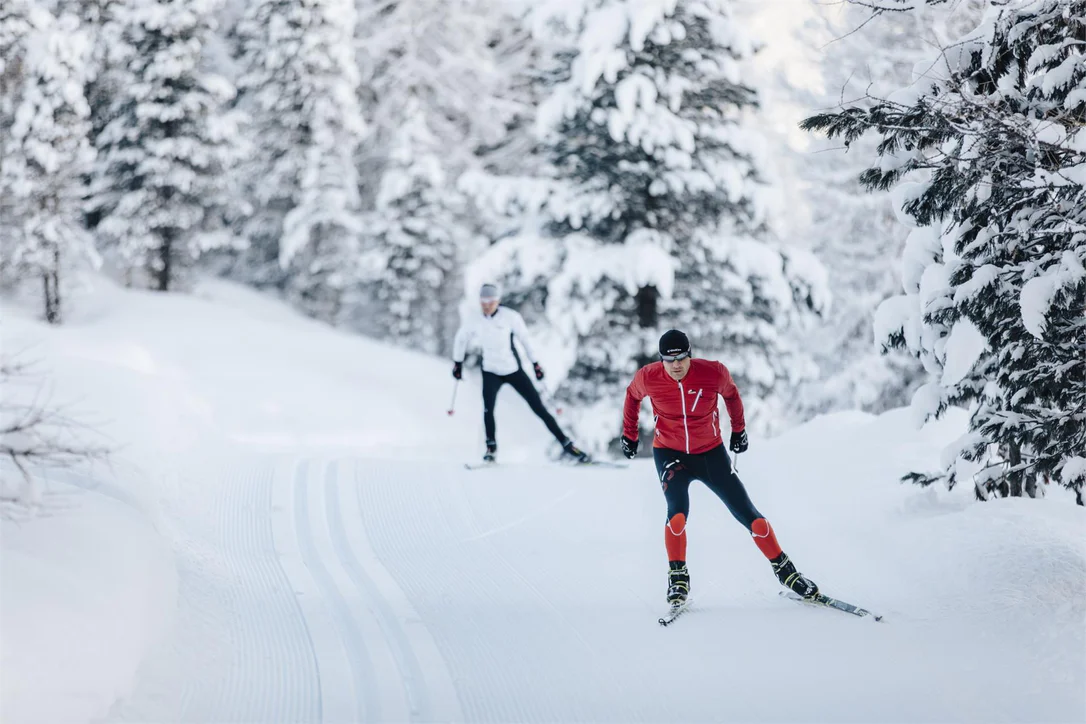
[675, 537]
[765, 539]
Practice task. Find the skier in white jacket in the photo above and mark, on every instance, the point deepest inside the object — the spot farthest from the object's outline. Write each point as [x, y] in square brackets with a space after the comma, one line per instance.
[494, 331]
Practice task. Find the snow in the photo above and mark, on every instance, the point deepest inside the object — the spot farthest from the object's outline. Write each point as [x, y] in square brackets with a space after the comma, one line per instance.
[1037, 293]
[87, 587]
[964, 347]
[308, 486]
[1074, 469]
[925, 403]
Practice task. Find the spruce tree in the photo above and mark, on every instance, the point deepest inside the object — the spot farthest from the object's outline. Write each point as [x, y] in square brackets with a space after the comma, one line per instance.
[299, 86]
[652, 211]
[414, 237]
[437, 108]
[44, 150]
[162, 182]
[987, 154]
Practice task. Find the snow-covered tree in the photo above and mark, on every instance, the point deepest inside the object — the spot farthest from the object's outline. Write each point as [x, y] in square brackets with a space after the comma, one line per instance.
[162, 182]
[108, 55]
[299, 85]
[653, 213]
[987, 152]
[856, 234]
[439, 81]
[414, 237]
[44, 150]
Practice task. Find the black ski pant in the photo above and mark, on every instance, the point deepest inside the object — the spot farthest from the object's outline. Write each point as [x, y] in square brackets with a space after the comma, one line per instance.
[520, 382]
[678, 469]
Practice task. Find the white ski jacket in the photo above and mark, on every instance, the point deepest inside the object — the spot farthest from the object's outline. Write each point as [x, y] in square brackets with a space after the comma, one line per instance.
[494, 335]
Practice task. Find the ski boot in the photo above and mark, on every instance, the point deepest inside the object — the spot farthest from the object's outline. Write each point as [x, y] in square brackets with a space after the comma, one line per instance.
[678, 583]
[792, 579]
[491, 449]
[570, 449]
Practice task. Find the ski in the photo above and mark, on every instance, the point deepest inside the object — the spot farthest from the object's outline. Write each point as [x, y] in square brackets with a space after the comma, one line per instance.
[586, 463]
[675, 610]
[598, 463]
[825, 601]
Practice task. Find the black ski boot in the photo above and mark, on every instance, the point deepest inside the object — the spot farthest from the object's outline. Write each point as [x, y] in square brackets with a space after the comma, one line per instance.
[678, 582]
[570, 449]
[792, 579]
[491, 448]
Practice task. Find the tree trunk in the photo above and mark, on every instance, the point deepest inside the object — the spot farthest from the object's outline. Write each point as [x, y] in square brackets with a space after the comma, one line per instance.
[52, 304]
[1014, 455]
[165, 255]
[1031, 485]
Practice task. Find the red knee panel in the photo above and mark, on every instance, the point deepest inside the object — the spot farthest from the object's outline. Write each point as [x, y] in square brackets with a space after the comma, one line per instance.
[675, 537]
[765, 539]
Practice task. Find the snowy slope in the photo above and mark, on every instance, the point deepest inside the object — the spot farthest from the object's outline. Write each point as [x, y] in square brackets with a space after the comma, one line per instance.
[335, 561]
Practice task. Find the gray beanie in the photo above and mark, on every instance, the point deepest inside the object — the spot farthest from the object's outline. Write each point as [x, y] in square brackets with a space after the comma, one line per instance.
[489, 291]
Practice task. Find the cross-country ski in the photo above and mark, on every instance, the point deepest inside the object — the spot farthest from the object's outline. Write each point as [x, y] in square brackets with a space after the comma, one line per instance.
[820, 599]
[676, 609]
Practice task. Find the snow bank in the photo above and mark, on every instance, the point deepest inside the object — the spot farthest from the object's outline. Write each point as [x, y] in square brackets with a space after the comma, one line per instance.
[87, 587]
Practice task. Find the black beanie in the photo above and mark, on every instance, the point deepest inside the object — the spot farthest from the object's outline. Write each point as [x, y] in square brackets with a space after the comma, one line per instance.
[674, 342]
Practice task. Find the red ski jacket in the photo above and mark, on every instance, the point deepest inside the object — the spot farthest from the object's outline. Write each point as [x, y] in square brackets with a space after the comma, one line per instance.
[686, 413]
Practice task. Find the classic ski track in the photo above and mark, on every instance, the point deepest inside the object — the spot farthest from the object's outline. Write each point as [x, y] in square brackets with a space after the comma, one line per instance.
[234, 593]
[349, 683]
[428, 687]
[279, 667]
[433, 522]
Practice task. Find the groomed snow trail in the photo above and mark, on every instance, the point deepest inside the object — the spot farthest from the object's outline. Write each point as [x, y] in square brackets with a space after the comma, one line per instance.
[367, 590]
[336, 562]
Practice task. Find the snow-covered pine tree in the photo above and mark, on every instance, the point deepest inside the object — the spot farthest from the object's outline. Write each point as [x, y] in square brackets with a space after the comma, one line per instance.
[855, 234]
[987, 150]
[438, 107]
[45, 151]
[299, 86]
[108, 55]
[413, 241]
[162, 186]
[14, 29]
[653, 213]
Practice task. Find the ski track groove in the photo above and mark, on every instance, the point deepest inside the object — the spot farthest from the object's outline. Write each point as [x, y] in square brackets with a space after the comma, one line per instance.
[362, 670]
[234, 592]
[406, 663]
[259, 685]
[424, 673]
[287, 672]
[435, 586]
[481, 650]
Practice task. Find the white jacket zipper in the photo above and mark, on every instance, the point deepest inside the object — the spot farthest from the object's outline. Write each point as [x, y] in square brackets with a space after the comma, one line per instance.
[686, 430]
[695, 405]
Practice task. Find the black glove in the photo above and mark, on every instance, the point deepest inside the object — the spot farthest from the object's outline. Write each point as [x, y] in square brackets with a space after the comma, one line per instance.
[538, 371]
[458, 369]
[738, 442]
[629, 447]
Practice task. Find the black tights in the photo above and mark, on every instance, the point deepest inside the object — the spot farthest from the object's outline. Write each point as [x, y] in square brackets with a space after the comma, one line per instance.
[713, 467]
[520, 382]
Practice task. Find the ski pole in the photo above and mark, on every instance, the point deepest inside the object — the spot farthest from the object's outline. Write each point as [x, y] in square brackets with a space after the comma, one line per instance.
[452, 405]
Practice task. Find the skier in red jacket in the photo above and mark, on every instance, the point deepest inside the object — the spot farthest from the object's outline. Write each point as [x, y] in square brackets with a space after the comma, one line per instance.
[688, 445]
